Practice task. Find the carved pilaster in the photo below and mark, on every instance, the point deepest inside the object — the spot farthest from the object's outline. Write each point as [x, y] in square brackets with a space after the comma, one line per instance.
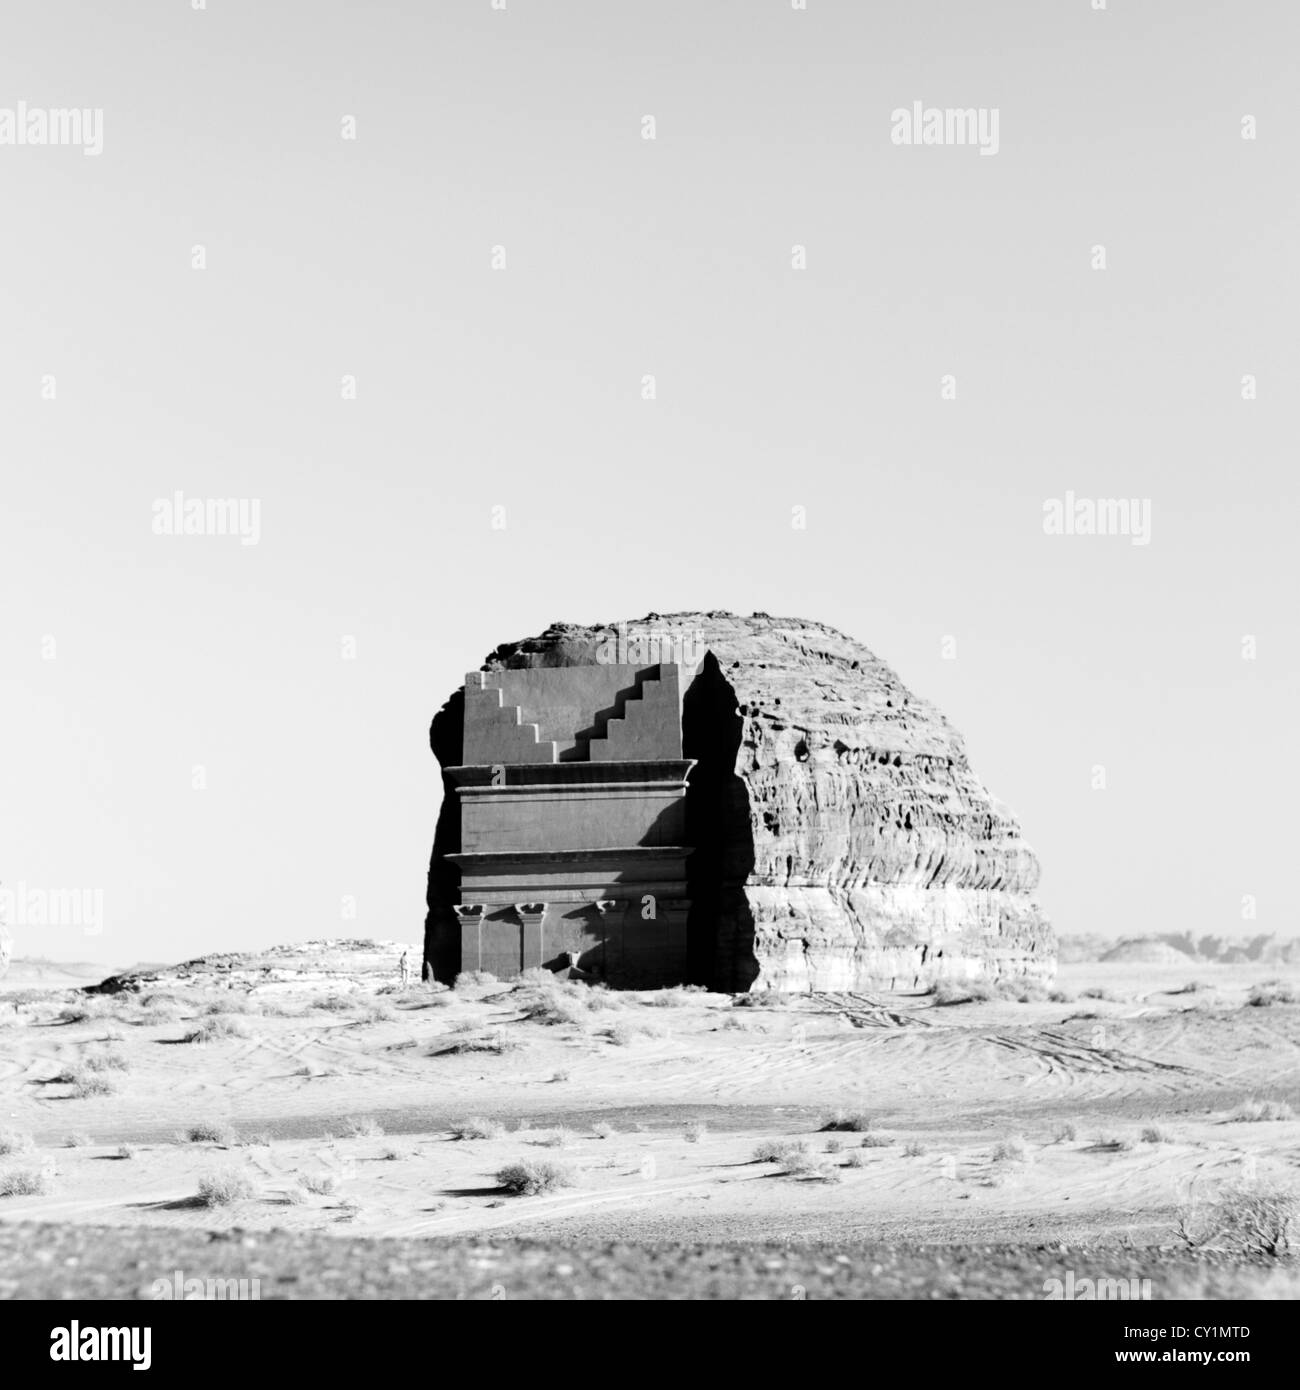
[531, 917]
[470, 916]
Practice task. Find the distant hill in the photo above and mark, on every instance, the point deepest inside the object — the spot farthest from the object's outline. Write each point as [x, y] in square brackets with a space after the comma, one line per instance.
[1146, 950]
[1172, 948]
[35, 972]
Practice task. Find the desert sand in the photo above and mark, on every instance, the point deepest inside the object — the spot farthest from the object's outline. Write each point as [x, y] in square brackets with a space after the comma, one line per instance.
[326, 1100]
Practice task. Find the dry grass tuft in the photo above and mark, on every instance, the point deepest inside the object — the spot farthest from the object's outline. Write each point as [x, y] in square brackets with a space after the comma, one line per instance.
[848, 1121]
[498, 1043]
[218, 1026]
[779, 1150]
[531, 1177]
[25, 1182]
[949, 992]
[15, 1142]
[1272, 992]
[231, 1004]
[1257, 1111]
[87, 1083]
[476, 1127]
[627, 1031]
[105, 1059]
[1011, 1150]
[210, 1132]
[1258, 1218]
[222, 1186]
[319, 1184]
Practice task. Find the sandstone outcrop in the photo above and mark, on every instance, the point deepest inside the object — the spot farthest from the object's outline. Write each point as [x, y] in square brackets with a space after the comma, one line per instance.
[841, 839]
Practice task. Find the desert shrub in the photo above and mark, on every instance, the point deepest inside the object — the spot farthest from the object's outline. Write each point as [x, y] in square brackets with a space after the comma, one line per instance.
[536, 975]
[913, 1150]
[1191, 987]
[210, 1132]
[125, 1151]
[14, 1142]
[1154, 1134]
[848, 1121]
[498, 1043]
[468, 979]
[694, 1130]
[1272, 992]
[333, 1003]
[763, 999]
[25, 1182]
[856, 1159]
[948, 992]
[877, 1141]
[277, 1008]
[1257, 1217]
[230, 1004]
[390, 1153]
[1030, 994]
[476, 1127]
[779, 1150]
[556, 1139]
[1108, 996]
[78, 1141]
[89, 1009]
[603, 1131]
[261, 1140]
[601, 999]
[87, 1084]
[319, 1184]
[1011, 1150]
[218, 1026]
[564, 1074]
[1067, 1134]
[222, 1186]
[377, 1012]
[530, 1177]
[627, 1031]
[364, 1128]
[1062, 996]
[1255, 1111]
[810, 1167]
[105, 1059]
[834, 1146]
[674, 998]
[1112, 1143]
[1260, 1217]
[554, 1007]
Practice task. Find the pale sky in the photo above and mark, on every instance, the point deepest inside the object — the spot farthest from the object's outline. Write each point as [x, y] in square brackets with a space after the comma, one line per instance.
[522, 388]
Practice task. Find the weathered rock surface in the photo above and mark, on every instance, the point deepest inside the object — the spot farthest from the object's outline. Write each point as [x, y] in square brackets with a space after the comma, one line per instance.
[842, 840]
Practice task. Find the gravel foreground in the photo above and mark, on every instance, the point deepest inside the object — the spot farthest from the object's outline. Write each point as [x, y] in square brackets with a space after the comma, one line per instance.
[44, 1261]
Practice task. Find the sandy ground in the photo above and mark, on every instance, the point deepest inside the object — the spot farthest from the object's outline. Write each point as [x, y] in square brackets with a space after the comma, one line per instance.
[652, 1104]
